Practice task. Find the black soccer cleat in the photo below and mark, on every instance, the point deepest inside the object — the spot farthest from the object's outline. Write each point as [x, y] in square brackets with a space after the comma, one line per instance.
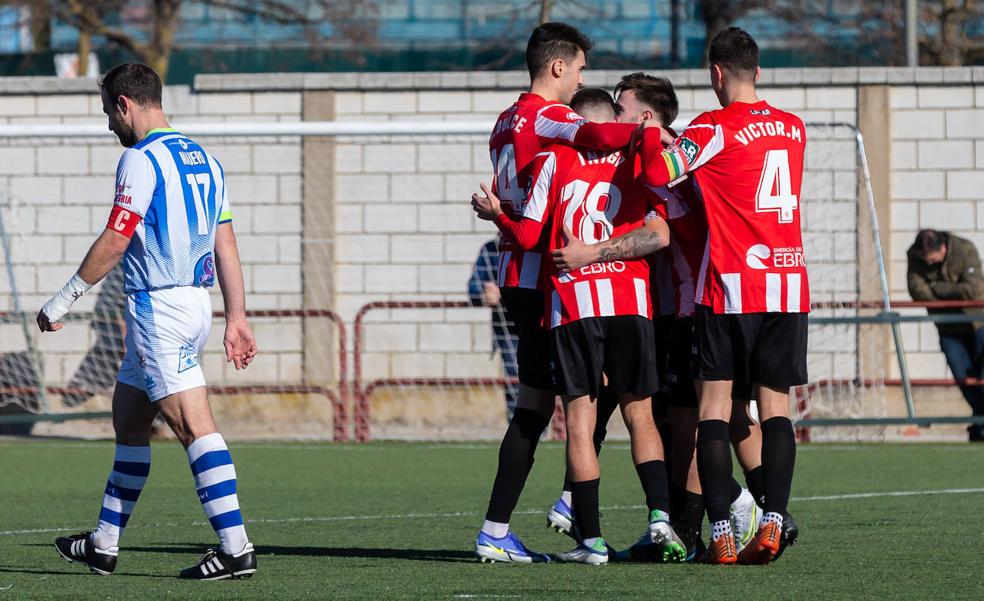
[790, 532]
[79, 548]
[216, 565]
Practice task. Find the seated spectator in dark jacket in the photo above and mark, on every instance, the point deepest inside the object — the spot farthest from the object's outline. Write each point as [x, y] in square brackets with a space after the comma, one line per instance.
[483, 290]
[945, 267]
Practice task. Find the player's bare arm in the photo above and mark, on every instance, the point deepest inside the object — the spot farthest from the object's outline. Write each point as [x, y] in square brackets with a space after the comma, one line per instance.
[240, 345]
[641, 242]
[102, 257]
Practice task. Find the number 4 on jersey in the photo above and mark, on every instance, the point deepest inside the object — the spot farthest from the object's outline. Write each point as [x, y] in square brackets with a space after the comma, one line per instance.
[775, 191]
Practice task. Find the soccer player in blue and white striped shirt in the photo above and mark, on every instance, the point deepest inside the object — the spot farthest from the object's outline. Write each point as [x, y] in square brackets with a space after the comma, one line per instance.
[171, 223]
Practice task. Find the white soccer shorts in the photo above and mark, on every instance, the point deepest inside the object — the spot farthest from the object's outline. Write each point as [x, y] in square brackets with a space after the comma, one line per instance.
[165, 335]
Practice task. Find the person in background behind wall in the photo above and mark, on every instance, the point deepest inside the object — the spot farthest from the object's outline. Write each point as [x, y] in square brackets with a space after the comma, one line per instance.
[484, 291]
[945, 267]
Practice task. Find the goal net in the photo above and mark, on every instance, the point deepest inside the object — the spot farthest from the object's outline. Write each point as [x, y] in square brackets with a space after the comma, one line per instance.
[364, 268]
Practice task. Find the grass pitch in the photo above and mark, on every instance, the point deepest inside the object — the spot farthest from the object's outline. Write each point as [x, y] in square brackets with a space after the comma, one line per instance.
[398, 520]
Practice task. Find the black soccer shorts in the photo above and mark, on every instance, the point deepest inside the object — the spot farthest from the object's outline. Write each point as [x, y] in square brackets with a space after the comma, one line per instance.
[524, 308]
[766, 349]
[621, 347]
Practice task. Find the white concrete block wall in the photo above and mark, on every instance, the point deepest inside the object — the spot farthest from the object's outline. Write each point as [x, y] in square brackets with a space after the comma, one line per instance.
[403, 226]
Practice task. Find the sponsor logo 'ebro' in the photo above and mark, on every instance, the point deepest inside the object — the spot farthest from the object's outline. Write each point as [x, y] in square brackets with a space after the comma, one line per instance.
[757, 255]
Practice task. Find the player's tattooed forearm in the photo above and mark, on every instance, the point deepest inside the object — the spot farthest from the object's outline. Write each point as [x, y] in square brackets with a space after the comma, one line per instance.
[635, 244]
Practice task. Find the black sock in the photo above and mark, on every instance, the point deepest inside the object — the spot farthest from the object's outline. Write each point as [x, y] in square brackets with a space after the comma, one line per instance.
[515, 461]
[688, 525]
[778, 459]
[652, 475]
[678, 496]
[585, 502]
[735, 489]
[755, 481]
[714, 467]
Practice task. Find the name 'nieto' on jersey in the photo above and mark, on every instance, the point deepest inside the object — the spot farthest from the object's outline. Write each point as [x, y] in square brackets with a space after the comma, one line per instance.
[170, 197]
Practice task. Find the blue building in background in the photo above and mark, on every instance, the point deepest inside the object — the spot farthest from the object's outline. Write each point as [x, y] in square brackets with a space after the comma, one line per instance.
[422, 35]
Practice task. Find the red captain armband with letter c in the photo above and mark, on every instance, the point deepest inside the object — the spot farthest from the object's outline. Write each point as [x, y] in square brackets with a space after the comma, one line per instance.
[123, 221]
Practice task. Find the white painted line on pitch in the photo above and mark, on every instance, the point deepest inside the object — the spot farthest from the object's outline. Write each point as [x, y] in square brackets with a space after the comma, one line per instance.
[456, 514]
[897, 493]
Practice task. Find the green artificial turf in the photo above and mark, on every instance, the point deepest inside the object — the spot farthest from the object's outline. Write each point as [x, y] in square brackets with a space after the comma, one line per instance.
[398, 521]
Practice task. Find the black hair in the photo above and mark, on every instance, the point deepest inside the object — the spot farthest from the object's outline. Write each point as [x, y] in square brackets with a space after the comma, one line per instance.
[551, 41]
[136, 81]
[735, 51]
[655, 92]
[928, 241]
[586, 99]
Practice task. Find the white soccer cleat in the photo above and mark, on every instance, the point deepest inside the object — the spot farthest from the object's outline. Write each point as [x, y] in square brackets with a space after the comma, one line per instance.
[560, 517]
[670, 549]
[594, 555]
[745, 515]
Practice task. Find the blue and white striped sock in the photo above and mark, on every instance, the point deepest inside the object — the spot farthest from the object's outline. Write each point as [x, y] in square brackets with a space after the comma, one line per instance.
[215, 480]
[130, 469]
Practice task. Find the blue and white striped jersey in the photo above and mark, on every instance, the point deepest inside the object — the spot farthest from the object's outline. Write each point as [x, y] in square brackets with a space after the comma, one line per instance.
[171, 196]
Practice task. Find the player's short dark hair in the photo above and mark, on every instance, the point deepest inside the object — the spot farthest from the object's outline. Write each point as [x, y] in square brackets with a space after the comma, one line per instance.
[655, 92]
[928, 241]
[734, 50]
[551, 41]
[136, 81]
[587, 99]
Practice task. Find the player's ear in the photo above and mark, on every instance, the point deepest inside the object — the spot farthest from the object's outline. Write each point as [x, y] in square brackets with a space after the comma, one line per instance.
[558, 67]
[758, 73]
[121, 104]
[717, 75]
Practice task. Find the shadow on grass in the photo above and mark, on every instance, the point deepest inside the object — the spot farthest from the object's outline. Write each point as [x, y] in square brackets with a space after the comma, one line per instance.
[446, 555]
[197, 549]
[80, 571]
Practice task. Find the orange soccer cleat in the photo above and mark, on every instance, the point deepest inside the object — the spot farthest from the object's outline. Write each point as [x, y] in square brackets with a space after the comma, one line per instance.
[764, 546]
[722, 550]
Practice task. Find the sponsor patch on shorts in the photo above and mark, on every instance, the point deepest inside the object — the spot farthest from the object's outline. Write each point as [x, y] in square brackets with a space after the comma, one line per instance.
[187, 358]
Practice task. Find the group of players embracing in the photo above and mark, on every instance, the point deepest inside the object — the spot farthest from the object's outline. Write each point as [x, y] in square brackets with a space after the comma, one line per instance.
[656, 273]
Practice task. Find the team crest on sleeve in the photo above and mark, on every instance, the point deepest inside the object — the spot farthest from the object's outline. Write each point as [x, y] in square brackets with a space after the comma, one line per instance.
[690, 149]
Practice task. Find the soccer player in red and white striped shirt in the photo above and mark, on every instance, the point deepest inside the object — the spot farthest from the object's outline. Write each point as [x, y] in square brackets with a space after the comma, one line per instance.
[555, 57]
[599, 318]
[752, 292]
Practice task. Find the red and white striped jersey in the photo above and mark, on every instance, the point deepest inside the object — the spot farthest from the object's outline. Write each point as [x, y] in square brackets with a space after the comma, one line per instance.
[747, 162]
[595, 195]
[523, 130]
[684, 214]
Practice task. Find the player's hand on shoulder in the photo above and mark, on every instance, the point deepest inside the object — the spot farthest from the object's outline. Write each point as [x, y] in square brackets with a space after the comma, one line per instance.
[486, 207]
[575, 255]
[240, 344]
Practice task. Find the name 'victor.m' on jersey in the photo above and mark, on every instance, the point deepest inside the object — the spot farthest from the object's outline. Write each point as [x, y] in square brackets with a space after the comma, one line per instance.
[753, 261]
[170, 198]
[521, 131]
